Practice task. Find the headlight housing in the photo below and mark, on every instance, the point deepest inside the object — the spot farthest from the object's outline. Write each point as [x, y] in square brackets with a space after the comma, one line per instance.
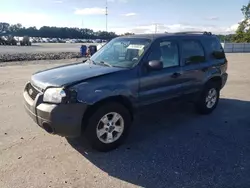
[54, 95]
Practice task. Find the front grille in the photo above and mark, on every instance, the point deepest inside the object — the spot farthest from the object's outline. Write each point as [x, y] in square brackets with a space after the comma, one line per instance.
[32, 91]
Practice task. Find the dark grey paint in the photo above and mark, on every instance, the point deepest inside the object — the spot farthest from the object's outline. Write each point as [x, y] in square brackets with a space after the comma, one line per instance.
[94, 83]
[140, 85]
[123, 83]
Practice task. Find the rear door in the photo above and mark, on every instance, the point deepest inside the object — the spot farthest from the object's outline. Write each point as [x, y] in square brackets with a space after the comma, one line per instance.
[194, 65]
[162, 84]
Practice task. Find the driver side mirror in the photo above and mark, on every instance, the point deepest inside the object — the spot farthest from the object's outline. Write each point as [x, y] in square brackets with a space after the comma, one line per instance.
[155, 65]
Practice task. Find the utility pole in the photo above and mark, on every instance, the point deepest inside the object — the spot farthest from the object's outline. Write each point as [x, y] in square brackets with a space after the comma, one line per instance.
[156, 27]
[82, 29]
[106, 13]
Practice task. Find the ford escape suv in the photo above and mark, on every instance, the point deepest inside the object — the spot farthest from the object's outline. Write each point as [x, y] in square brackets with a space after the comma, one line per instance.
[97, 98]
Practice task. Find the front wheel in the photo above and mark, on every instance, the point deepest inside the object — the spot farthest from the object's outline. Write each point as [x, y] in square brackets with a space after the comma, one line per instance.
[108, 126]
[209, 99]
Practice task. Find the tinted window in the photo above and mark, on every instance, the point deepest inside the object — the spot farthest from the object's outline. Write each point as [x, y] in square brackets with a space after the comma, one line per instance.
[165, 51]
[192, 52]
[215, 47]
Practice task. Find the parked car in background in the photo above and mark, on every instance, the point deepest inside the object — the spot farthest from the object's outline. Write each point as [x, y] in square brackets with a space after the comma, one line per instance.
[98, 41]
[61, 40]
[26, 41]
[99, 98]
[54, 40]
[2, 41]
[72, 41]
[8, 40]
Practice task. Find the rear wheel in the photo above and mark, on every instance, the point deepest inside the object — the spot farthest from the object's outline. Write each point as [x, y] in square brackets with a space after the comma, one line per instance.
[209, 98]
[108, 126]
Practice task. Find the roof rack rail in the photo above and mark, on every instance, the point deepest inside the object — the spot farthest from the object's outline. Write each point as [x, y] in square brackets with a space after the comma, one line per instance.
[194, 32]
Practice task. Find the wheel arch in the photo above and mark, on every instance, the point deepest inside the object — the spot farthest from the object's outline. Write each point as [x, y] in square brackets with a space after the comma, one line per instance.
[118, 99]
[215, 79]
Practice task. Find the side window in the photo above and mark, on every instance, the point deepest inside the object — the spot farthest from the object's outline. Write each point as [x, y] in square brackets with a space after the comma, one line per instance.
[165, 51]
[216, 49]
[192, 52]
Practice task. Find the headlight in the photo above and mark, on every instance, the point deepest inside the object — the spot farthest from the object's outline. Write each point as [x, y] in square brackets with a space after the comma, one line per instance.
[54, 95]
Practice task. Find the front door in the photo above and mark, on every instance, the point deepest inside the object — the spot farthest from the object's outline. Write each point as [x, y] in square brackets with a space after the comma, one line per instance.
[162, 84]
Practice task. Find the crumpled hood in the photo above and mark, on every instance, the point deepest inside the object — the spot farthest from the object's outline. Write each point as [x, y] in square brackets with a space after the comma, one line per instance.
[68, 74]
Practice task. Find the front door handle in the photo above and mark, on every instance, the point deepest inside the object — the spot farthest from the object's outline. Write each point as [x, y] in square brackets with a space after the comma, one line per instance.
[176, 75]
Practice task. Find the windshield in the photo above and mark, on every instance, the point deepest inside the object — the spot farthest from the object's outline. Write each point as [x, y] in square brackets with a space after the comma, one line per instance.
[121, 52]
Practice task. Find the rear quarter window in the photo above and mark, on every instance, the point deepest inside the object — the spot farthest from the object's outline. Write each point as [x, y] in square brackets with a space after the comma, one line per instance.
[215, 48]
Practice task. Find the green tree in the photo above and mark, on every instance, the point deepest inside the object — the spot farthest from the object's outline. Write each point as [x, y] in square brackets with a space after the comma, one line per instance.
[243, 30]
[4, 27]
[54, 32]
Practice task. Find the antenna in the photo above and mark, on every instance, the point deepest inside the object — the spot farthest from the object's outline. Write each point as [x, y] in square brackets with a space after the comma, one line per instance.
[106, 13]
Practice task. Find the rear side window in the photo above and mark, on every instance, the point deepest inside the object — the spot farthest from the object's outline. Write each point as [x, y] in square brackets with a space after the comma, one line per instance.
[215, 47]
[192, 52]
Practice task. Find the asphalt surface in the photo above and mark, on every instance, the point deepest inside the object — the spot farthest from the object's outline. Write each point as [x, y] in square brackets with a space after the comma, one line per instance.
[42, 47]
[169, 145]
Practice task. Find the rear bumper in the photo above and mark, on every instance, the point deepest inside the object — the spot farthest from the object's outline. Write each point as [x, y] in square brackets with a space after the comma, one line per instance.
[63, 119]
[224, 79]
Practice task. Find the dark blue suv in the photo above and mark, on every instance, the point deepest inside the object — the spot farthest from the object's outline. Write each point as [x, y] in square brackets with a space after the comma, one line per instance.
[97, 98]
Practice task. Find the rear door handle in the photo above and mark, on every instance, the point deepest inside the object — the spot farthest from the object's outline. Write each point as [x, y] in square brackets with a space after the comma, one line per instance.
[176, 75]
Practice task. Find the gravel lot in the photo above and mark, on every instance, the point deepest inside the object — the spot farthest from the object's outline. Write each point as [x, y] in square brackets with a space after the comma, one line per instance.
[171, 147]
[41, 51]
[42, 47]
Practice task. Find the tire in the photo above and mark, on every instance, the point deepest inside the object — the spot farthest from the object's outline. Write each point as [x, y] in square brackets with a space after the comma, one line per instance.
[206, 104]
[94, 124]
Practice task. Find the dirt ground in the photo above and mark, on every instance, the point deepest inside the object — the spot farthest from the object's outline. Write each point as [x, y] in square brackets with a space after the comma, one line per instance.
[169, 145]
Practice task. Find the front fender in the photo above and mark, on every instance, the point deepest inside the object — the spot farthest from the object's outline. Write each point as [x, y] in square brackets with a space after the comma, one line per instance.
[123, 83]
[90, 94]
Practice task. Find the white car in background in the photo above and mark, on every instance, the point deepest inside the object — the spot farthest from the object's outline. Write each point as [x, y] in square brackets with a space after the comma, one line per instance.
[71, 41]
[45, 40]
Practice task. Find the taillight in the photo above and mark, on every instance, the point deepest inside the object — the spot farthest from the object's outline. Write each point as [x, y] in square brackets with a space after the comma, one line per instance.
[226, 64]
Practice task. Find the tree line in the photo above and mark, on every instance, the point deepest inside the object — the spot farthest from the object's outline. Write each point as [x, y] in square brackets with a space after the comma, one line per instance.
[54, 32]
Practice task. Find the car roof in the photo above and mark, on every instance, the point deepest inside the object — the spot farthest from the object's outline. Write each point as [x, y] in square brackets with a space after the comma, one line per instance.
[161, 35]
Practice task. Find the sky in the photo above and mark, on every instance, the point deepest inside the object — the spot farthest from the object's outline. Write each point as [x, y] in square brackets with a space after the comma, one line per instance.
[137, 16]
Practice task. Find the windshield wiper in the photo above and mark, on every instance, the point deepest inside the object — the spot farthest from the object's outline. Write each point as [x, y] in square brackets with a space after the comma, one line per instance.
[105, 63]
[100, 63]
[90, 61]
